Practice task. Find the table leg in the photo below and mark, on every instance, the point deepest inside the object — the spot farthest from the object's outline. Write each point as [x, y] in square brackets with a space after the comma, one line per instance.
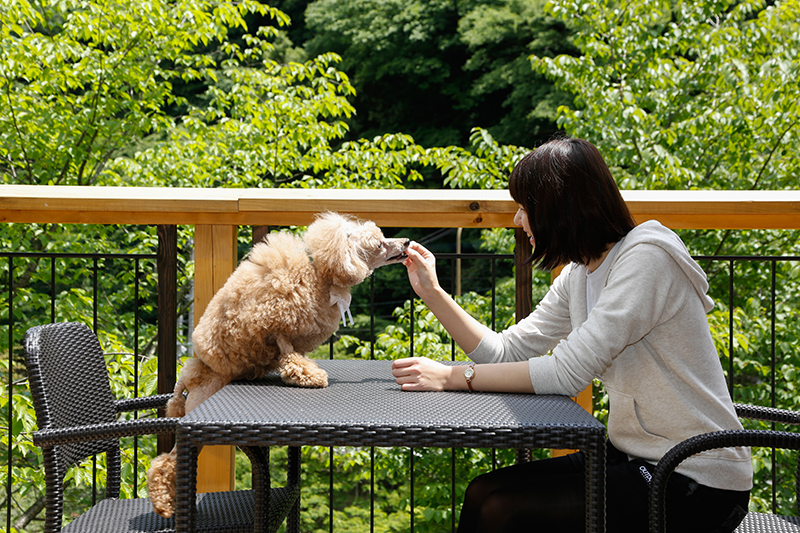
[293, 519]
[595, 476]
[259, 463]
[185, 485]
[523, 455]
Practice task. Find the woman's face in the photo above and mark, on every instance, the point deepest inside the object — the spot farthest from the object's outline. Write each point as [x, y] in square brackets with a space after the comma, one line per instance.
[521, 219]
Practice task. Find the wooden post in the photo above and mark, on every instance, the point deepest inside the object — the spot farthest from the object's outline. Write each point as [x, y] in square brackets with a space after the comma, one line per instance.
[524, 275]
[167, 319]
[259, 234]
[215, 258]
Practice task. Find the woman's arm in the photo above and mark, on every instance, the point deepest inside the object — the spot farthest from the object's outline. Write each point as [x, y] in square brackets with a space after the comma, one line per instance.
[421, 265]
[423, 374]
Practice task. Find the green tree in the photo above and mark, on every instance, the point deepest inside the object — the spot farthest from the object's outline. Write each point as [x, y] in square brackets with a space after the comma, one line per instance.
[685, 94]
[81, 86]
[435, 69]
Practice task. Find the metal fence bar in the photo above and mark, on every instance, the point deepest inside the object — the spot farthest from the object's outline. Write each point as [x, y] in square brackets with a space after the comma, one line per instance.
[730, 326]
[773, 372]
[10, 453]
[411, 489]
[95, 283]
[136, 368]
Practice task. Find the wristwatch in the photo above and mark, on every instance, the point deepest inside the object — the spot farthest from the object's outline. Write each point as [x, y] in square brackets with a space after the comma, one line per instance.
[469, 373]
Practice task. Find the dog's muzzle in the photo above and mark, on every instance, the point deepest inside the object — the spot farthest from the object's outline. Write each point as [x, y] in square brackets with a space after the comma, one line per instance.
[402, 256]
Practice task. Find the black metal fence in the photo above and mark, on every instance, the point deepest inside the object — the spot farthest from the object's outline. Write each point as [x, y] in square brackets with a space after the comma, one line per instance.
[754, 368]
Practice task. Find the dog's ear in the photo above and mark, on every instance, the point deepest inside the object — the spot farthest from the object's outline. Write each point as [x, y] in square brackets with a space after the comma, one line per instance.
[332, 244]
[354, 265]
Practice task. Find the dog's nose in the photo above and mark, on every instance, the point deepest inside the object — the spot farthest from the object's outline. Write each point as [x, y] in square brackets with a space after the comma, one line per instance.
[406, 243]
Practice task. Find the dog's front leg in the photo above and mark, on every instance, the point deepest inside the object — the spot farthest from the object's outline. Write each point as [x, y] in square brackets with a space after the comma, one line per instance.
[297, 369]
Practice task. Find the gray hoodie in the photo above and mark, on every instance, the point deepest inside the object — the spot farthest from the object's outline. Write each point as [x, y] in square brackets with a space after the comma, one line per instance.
[647, 338]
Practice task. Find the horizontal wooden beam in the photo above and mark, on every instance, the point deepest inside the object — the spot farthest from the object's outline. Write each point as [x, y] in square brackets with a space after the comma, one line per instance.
[387, 207]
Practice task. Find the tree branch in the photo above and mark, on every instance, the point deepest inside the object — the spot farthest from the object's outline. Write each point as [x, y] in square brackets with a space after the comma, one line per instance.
[772, 152]
[26, 517]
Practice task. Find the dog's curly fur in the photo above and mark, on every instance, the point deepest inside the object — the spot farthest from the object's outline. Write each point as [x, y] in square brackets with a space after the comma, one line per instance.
[279, 304]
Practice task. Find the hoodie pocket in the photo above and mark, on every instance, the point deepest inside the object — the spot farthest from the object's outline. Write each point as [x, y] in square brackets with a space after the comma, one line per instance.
[627, 430]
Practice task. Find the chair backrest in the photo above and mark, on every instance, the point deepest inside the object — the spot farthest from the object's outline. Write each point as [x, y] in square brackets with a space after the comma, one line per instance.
[70, 387]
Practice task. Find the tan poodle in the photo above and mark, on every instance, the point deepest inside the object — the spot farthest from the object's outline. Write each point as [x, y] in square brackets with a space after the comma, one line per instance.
[284, 300]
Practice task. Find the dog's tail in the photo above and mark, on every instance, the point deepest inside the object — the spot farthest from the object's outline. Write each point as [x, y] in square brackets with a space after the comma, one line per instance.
[161, 480]
[161, 474]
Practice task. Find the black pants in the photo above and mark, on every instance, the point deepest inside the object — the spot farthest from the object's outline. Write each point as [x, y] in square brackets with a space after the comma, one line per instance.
[548, 496]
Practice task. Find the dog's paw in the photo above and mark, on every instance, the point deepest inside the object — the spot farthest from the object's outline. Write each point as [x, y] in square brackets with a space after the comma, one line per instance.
[308, 375]
[161, 484]
[317, 378]
[176, 406]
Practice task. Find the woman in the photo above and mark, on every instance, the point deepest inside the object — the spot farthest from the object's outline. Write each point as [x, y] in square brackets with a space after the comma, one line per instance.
[629, 309]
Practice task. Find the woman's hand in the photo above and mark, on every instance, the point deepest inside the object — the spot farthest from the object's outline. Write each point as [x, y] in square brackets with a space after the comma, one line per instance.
[422, 374]
[421, 267]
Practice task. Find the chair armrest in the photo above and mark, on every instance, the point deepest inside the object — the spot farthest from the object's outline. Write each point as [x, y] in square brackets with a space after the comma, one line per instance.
[700, 443]
[768, 414]
[145, 402]
[114, 430]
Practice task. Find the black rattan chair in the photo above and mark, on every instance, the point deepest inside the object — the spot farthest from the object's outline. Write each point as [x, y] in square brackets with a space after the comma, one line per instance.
[753, 522]
[76, 414]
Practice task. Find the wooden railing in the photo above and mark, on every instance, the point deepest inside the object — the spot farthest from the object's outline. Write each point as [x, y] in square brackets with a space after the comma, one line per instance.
[216, 215]
[391, 208]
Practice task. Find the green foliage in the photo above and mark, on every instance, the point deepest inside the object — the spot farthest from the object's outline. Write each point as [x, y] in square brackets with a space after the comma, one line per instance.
[382, 475]
[84, 103]
[685, 94]
[486, 165]
[80, 83]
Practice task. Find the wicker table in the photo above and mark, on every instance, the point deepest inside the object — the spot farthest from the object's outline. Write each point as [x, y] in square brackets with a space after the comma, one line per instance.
[363, 406]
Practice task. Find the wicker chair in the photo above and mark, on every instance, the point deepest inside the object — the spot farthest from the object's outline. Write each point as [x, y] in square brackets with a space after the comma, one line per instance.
[753, 522]
[76, 414]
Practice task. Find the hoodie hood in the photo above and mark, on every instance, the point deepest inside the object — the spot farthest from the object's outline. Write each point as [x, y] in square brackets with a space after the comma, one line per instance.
[653, 232]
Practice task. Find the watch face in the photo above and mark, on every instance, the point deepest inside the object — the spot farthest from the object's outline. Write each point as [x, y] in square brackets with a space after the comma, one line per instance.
[469, 372]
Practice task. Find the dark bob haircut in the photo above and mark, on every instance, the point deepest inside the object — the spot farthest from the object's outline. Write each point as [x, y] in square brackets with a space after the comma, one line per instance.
[573, 205]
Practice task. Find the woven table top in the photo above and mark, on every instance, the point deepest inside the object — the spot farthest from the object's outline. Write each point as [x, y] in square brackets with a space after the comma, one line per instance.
[363, 405]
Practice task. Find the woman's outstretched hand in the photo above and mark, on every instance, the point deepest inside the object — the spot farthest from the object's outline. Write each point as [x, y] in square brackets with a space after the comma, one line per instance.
[421, 267]
[421, 374]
